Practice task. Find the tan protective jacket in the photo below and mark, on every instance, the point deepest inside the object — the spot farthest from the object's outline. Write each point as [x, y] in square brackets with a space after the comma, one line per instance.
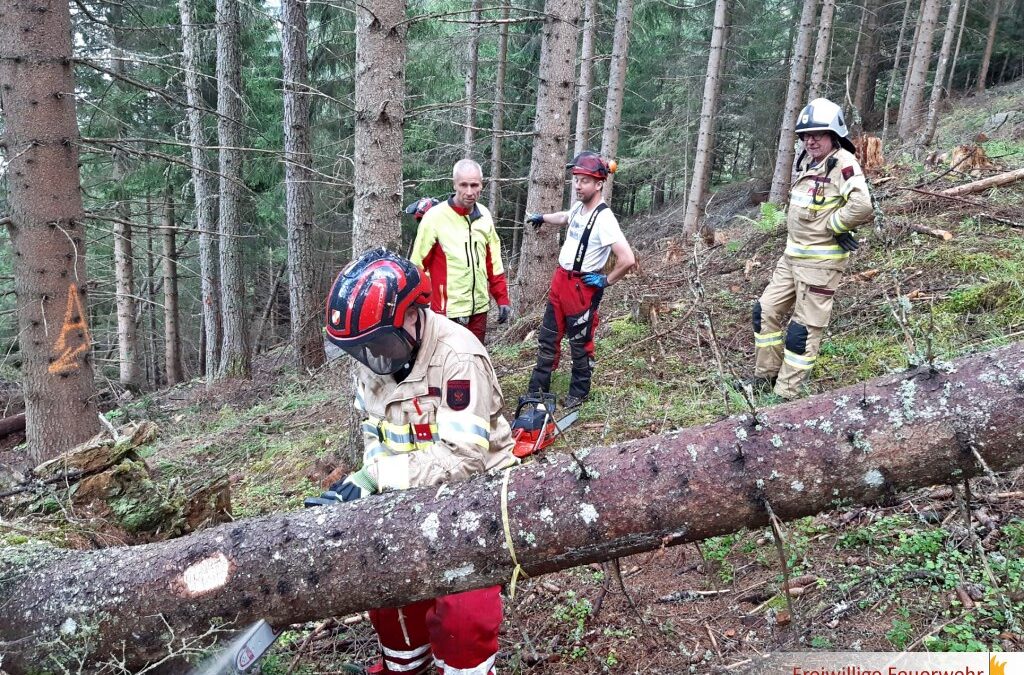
[829, 199]
[441, 423]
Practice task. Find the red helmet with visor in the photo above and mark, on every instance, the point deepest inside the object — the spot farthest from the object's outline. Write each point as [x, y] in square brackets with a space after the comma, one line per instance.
[367, 306]
[591, 164]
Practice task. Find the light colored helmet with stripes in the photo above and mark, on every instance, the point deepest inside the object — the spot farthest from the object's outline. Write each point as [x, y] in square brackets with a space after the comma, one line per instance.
[822, 114]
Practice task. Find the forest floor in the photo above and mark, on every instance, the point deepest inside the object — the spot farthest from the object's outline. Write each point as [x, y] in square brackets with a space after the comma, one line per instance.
[900, 575]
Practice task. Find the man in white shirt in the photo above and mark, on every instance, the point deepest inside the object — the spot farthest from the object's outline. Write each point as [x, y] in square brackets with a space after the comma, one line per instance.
[578, 283]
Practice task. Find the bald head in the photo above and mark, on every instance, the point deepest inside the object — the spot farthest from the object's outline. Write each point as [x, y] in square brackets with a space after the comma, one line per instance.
[468, 180]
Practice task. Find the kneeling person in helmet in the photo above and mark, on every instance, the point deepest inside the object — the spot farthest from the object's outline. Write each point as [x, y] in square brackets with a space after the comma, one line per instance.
[828, 200]
[432, 405]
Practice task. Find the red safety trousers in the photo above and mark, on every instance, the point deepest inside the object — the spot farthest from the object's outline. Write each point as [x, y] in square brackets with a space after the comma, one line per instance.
[451, 635]
[572, 310]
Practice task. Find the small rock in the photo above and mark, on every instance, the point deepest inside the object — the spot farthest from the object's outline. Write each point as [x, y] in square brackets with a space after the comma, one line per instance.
[929, 516]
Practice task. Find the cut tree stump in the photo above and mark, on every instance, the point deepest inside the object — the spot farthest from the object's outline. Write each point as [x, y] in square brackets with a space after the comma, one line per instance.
[860, 444]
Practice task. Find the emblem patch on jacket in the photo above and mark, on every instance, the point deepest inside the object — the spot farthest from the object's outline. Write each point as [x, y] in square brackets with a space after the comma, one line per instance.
[848, 172]
[458, 394]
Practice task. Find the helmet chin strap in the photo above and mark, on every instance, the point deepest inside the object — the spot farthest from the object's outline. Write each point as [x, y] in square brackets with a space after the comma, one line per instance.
[416, 340]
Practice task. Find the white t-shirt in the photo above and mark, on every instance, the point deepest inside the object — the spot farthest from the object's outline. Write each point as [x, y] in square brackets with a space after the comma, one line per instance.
[599, 246]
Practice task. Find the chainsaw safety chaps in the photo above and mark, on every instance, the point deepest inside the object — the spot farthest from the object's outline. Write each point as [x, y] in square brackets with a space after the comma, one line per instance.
[571, 312]
[453, 634]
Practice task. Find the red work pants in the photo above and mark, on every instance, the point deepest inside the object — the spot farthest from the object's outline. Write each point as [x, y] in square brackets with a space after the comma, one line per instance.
[476, 323]
[451, 634]
[571, 311]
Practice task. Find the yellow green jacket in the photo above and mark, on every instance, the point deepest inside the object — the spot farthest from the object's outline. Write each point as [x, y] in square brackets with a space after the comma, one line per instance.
[462, 257]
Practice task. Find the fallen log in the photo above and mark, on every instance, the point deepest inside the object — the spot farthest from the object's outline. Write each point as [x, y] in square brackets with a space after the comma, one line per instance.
[858, 444]
[985, 183]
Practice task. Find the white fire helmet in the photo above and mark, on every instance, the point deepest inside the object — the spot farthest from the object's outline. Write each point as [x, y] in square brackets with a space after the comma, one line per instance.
[822, 114]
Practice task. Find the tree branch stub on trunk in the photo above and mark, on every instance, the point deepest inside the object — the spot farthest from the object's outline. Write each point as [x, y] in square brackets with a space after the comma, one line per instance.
[857, 444]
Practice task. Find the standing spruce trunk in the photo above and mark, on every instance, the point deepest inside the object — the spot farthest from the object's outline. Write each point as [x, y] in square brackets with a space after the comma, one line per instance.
[912, 107]
[472, 73]
[990, 42]
[202, 189]
[235, 357]
[956, 51]
[784, 153]
[861, 444]
[585, 83]
[868, 47]
[131, 374]
[46, 231]
[894, 72]
[304, 300]
[152, 364]
[821, 50]
[706, 133]
[498, 117]
[616, 88]
[172, 330]
[381, 27]
[940, 75]
[551, 131]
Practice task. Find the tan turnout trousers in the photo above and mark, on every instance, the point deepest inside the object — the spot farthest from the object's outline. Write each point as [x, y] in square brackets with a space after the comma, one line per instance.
[807, 292]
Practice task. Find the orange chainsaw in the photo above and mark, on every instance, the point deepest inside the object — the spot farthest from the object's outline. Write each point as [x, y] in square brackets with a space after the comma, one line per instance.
[535, 426]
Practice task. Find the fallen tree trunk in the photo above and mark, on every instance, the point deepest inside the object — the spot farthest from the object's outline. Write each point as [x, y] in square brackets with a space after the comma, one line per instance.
[985, 183]
[857, 444]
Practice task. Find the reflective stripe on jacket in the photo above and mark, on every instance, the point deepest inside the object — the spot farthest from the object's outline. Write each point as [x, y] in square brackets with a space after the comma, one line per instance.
[441, 423]
[829, 199]
[462, 255]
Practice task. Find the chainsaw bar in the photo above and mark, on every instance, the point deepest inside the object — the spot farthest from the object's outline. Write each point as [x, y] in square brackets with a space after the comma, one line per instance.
[260, 636]
[567, 421]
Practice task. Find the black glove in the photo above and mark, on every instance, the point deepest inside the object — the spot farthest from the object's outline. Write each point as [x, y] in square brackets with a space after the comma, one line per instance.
[504, 313]
[536, 219]
[847, 241]
[342, 491]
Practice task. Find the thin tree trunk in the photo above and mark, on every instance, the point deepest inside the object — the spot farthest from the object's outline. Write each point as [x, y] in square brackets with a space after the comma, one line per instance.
[585, 84]
[46, 228]
[498, 117]
[616, 87]
[884, 436]
[381, 28]
[303, 298]
[794, 100]
[172, 334]
[956, 52]
[912, 54]
[550, 146]
[706, 134]
[205, 199]
[129, 352]
[895, 70]
[867, 45]
[235, 358]
[986, 58]
[152, 359]
[911, 109]
[268, 308]
[940, 74]
[821, 50]
[472, 72]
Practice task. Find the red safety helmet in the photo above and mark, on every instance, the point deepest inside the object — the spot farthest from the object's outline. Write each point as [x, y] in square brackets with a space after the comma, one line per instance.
[590, 164]
[421, 206]
[367, 305]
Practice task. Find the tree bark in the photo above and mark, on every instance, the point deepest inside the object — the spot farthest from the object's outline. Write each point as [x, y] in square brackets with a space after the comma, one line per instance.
[706, 133]
[205, 199]
[868, 55]
[498, 117]
[616, 88]
[131, 374]
[153, 375]
[585, 83]
[940, 74]
[911, 108]
[235, 357]
[892, 75]
[47, 235]
[472, 72]
[860, 444]
[985, 183]
[784, 154]
[550, 146]
[956, 52]
[172, 333]
[986, 58]
[381, 28]
[304, 300]
[821, 50]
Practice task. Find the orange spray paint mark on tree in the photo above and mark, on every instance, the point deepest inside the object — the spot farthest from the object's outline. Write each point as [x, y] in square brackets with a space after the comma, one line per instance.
[74, 336]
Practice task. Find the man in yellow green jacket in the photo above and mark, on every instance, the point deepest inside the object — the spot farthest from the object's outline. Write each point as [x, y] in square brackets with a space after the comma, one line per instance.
[457, 245]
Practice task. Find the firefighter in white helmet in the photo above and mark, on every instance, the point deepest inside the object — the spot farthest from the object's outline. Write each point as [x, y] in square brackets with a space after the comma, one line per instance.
[828, 200]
